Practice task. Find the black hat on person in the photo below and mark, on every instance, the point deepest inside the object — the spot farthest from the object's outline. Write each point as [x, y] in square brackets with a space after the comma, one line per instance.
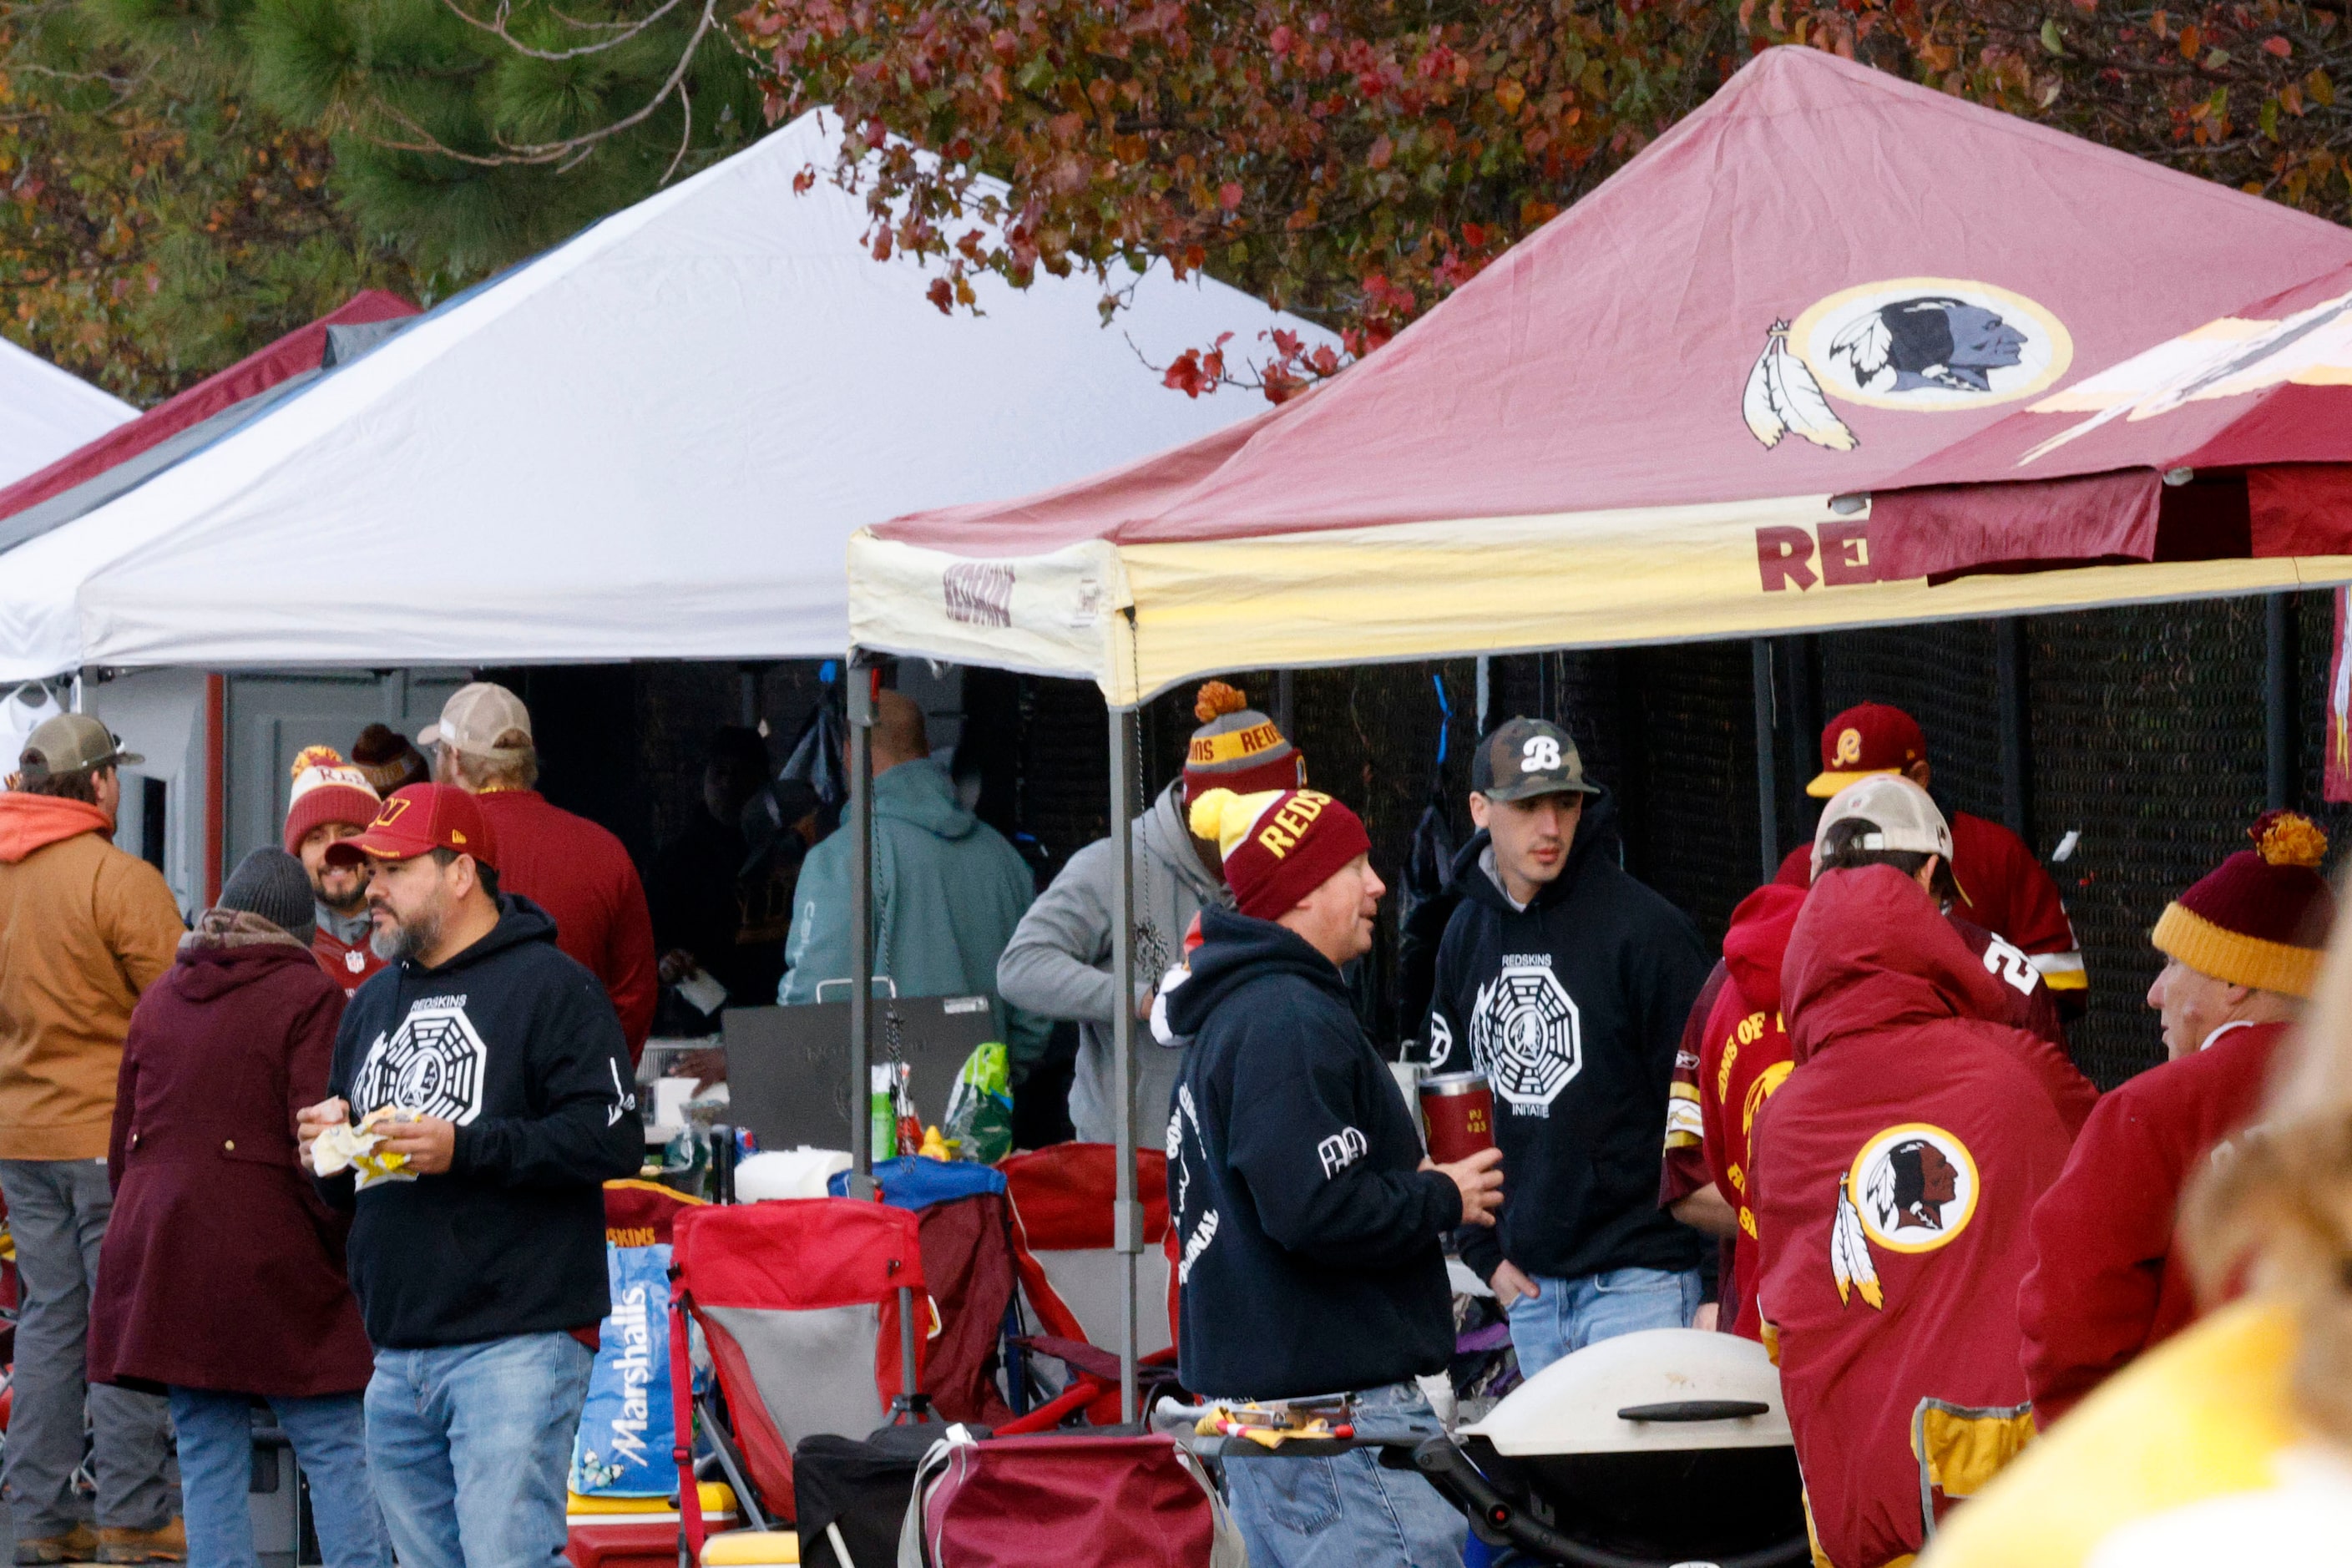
[1524, 758]
[272, 884]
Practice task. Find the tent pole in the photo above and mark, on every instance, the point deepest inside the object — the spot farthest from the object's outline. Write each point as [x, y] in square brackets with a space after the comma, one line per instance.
[2009, 685]
[862, 679]
[1768, 781]
[2278, 700]
[1127, 1223]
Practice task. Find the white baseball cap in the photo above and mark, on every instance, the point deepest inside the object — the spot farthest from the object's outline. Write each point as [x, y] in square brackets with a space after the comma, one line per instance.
[1903, 814]
[476, 718]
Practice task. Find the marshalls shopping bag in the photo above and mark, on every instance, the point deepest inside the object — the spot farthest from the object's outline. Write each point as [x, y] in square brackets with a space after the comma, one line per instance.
[626, 1428]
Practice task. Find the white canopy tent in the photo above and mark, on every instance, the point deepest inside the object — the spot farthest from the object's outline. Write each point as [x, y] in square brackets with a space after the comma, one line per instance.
[652, 442]
[46, 412]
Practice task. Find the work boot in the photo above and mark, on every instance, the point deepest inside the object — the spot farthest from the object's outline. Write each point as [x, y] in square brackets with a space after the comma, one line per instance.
[167, 1544]
[78, 1544]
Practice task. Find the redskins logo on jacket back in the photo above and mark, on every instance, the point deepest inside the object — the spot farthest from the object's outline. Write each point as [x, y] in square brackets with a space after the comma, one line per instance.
[1912, 1188]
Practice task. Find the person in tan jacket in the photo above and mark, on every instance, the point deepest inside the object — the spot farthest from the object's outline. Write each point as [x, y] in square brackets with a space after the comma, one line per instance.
[84, 929]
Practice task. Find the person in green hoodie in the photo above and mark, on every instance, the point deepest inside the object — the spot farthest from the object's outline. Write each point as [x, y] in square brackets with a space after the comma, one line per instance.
[948, 891]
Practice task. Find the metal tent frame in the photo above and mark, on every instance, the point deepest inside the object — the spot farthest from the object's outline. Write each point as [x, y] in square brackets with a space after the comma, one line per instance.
[864, 683]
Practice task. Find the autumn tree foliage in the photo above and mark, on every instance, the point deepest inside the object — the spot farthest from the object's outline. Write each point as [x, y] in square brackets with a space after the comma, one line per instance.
[1356, 159]
[151, 231]
[1353, 161]
[2240, 93]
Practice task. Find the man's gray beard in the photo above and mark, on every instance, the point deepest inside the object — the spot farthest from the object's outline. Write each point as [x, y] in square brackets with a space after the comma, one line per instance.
[400, 941]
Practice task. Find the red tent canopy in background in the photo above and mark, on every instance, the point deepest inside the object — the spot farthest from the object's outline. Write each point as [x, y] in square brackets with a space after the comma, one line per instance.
[1632, 426]
[2233, 438]
[299, 351]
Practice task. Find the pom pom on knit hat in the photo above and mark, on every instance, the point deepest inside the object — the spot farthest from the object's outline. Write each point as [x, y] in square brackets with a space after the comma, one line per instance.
[1215, 699]
[2260, 918]
[326, 789]
[1278, 846]
[2288, 838]
[1236, 748]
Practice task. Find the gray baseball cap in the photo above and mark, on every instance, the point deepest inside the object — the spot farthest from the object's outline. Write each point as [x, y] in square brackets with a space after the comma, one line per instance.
[70, 743]
[476, 718]
[1524, 758]
[1905, 817]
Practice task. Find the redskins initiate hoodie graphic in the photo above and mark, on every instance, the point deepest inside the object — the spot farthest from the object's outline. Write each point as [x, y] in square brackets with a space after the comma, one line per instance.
[1894, 1174]
[520, 1047]
[1573, 1007]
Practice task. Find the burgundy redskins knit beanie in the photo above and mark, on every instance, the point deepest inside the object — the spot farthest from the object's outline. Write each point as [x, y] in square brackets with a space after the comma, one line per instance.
[2262, 918]
[1238, 748]
[1278, 845]
[326, 789]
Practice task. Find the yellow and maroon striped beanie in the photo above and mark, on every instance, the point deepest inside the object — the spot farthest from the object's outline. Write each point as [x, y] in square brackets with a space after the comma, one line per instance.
[1238, 748]
[2262, 918]
[1278, 845]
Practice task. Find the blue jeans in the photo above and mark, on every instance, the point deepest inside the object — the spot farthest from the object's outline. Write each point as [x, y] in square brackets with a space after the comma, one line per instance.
[1347, 1510]
[470, 1447]
[1566, 1315]
[216, 1476]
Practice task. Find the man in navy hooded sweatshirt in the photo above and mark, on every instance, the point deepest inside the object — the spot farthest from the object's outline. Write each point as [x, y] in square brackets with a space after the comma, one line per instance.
[1311, 1227]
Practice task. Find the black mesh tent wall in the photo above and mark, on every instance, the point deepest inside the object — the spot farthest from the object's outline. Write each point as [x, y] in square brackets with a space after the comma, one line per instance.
[2143, 730]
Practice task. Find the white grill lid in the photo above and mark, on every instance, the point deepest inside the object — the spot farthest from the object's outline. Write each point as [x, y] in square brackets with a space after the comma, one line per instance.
[1661, 1389]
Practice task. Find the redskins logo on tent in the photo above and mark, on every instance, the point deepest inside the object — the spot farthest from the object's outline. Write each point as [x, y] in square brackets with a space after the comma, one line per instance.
[1926, 344]
[1913, 1188]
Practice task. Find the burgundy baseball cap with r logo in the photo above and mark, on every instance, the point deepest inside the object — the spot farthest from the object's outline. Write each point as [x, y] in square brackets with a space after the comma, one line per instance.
[416, 820]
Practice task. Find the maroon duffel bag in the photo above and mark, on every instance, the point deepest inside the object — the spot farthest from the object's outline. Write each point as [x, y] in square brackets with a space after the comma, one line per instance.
[1067, 1498]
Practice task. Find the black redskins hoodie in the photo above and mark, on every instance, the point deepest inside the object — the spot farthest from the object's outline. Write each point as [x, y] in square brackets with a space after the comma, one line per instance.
[1573, 1007]
[520, 1047]
[1312, 1247]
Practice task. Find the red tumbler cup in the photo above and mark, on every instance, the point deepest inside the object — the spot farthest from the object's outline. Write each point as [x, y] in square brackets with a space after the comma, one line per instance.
[1458, 1111]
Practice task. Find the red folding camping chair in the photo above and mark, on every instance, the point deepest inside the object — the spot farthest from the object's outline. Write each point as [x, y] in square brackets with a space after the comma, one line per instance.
[969, 1266]
[1063, 1202]
[808, 1306]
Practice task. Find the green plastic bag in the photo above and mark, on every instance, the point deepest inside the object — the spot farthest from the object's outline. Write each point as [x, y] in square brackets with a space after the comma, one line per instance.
[980, 1107]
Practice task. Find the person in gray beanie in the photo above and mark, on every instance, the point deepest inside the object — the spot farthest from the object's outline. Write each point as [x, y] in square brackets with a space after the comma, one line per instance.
[222, 1280]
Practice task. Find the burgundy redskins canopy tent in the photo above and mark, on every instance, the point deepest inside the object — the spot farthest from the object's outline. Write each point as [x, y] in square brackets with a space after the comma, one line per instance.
[1659, 418]
[2232, 440]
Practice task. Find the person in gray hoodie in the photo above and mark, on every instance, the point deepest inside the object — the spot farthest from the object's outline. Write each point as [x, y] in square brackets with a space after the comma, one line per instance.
[1057, 964]
[949, 891]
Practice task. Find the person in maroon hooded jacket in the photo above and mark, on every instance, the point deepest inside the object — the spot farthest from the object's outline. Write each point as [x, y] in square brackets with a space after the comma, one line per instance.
[1739, 1052]
[2242, 953]
[1894, 1173]
[222, 1277]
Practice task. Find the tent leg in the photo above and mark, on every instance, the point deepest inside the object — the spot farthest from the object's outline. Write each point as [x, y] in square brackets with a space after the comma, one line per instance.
[1768, 780]
[2009, 683]
[862, 679]
[2278, 700]
[1127, 1223]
